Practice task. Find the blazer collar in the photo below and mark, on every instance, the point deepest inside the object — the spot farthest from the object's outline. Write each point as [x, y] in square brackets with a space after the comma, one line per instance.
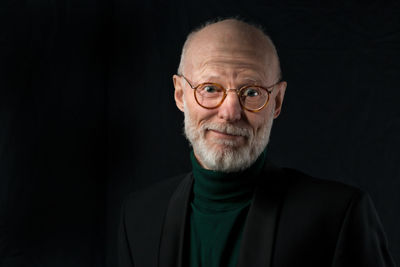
[259, 232]
[258, 237]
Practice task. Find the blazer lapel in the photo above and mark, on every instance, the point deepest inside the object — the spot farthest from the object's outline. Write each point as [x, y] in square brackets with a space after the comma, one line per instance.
[257, 243]
[172, 237]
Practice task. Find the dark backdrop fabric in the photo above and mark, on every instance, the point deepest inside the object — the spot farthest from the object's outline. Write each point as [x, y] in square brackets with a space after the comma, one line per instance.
[53, 90]
[87, 112]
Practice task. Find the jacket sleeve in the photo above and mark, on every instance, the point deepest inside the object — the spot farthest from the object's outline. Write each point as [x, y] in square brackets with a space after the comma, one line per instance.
[362, 241]
[124, 252]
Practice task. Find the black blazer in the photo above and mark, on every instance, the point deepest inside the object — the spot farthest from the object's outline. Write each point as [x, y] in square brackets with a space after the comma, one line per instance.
[294, 220]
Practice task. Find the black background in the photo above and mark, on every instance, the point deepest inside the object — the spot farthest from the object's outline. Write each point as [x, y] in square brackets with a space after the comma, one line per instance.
[87, 111]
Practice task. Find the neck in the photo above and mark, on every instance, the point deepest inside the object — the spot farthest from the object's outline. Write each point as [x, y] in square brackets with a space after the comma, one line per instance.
[217, 191]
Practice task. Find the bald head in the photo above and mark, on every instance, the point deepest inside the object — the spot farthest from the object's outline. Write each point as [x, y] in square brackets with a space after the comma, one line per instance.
[233, 36]
[216, 59]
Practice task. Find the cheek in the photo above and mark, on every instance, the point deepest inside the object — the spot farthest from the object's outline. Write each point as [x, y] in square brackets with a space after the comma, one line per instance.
[259, 119]
[204, 115]
[256, 124]
[198, 114]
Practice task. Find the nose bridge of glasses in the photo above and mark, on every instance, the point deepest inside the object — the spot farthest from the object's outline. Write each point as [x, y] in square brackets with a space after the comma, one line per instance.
[232, 89]
[236, 91]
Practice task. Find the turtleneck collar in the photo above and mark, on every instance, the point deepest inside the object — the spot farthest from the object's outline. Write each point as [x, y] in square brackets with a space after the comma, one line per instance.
[216, 191]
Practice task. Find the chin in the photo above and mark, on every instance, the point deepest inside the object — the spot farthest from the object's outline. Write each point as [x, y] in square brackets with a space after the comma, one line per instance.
[223, 157]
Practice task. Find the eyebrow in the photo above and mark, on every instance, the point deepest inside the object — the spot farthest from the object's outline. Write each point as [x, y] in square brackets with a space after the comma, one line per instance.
[209, 78]
[243, 82]
[255, 81]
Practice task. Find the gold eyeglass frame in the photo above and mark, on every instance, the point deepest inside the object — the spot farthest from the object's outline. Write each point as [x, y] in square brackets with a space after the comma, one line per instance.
[236, 90]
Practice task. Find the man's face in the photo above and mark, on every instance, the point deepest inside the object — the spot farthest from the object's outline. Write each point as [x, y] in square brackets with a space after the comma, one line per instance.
[228, 138]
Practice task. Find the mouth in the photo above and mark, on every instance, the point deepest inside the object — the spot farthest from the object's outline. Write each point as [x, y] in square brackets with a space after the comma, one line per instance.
[225, 134]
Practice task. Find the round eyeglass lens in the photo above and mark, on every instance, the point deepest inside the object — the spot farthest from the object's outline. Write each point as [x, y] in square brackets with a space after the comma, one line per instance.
[253, 97]
[209, 95]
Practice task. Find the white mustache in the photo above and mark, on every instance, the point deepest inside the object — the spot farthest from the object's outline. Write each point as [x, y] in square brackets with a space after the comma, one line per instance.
[227, 129]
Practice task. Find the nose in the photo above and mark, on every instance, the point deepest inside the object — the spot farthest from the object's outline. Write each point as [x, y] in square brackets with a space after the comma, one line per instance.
[230, 110]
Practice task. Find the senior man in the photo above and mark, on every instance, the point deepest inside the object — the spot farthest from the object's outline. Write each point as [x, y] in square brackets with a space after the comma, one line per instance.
[235, 208]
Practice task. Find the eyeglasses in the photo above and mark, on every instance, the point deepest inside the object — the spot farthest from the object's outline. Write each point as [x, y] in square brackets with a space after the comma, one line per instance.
[251, 97]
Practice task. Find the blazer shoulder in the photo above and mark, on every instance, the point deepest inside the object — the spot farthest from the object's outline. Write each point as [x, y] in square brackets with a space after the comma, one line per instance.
[307, 184]
[305, 191]
[337, 221]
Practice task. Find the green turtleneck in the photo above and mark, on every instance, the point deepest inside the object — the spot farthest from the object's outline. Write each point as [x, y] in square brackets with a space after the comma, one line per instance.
[219, 210]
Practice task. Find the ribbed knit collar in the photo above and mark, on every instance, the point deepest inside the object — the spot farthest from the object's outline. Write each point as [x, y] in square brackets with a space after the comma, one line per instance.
[216, 191]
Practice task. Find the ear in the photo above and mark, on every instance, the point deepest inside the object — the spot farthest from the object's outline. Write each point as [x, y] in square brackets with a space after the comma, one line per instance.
[280, 94]
[178, 92]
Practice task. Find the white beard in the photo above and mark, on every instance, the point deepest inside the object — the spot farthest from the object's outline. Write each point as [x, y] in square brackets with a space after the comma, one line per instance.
[226, 155]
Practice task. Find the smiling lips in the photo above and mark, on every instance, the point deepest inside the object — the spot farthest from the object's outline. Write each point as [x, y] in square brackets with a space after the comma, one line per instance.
[225, 134]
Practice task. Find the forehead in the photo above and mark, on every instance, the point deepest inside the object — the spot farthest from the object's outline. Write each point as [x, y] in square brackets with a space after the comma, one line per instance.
[230, 50]
[228, 64]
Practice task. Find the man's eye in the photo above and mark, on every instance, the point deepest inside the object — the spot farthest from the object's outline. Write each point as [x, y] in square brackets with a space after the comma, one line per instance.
[251, 92]
[210, 89]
